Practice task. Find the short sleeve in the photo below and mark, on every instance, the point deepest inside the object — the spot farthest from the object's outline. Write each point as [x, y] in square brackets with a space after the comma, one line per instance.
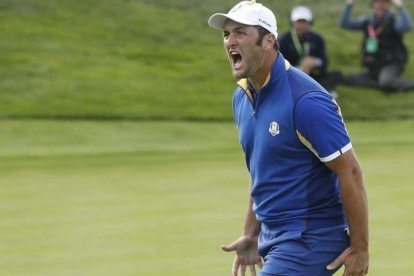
[320, 126]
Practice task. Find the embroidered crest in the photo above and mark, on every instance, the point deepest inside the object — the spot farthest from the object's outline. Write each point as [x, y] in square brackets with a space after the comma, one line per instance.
[274, 128]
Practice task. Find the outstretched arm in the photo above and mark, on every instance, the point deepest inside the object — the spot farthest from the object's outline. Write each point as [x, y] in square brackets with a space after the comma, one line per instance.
[354, 199]
[403, 22]
[246, 246]
[346, 22]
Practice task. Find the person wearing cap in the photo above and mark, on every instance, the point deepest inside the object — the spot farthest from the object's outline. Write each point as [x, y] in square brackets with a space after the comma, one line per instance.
[383, 53]
[306, 184]
[306, 50]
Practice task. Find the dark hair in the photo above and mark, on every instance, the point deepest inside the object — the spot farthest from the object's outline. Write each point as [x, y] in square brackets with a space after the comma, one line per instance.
[262, 32]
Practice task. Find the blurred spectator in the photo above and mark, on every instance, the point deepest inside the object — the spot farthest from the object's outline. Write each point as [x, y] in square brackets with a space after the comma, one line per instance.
[305, 49]
[383, 53]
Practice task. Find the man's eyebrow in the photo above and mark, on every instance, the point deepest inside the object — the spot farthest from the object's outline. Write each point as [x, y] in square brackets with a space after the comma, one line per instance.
[240, 28]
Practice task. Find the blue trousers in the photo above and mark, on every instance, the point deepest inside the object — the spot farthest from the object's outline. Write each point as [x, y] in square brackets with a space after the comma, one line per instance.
[301, 253]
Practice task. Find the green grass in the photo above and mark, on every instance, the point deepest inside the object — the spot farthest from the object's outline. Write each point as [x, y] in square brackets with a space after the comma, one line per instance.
[127, 194]
[159, 198]
[150, 60]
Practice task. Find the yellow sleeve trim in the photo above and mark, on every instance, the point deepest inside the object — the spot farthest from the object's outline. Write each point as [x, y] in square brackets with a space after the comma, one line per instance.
[307, 143]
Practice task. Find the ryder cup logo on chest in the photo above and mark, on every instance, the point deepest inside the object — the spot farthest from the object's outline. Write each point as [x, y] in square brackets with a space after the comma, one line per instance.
[274, 128]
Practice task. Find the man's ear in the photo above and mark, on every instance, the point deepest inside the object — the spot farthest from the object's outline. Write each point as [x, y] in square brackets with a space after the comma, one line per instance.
[269, 41]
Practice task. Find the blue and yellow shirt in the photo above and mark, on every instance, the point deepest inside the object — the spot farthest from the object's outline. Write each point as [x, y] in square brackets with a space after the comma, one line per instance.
[287, 130]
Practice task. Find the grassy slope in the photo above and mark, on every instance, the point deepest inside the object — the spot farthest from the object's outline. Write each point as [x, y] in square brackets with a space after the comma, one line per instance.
[88, 198]
[153, 198]
[148, 59]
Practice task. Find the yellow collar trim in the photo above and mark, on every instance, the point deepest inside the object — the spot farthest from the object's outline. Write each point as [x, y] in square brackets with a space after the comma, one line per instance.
[243, 83]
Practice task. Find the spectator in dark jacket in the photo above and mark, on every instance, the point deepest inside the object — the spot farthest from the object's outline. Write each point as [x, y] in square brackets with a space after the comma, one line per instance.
[306, 50]
[383, 54]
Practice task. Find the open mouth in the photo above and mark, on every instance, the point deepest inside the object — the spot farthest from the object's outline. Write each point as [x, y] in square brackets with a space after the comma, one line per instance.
[236, 59]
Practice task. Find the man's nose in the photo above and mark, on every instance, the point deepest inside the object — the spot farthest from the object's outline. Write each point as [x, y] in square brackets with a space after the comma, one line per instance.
[231, 40]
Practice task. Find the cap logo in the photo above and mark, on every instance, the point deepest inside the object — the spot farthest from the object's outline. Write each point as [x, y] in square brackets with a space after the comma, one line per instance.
[264, 22]
[236, 8]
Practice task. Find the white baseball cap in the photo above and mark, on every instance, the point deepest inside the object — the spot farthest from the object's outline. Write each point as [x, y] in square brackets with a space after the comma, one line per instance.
[301, 13]
[247, 13]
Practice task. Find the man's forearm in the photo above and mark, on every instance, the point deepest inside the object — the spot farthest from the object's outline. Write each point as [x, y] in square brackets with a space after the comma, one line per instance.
[251, 225]
[356, 208]
[354, 198]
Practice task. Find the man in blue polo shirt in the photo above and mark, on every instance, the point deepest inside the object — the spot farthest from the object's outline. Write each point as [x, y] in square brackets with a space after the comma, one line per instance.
[307, 188]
